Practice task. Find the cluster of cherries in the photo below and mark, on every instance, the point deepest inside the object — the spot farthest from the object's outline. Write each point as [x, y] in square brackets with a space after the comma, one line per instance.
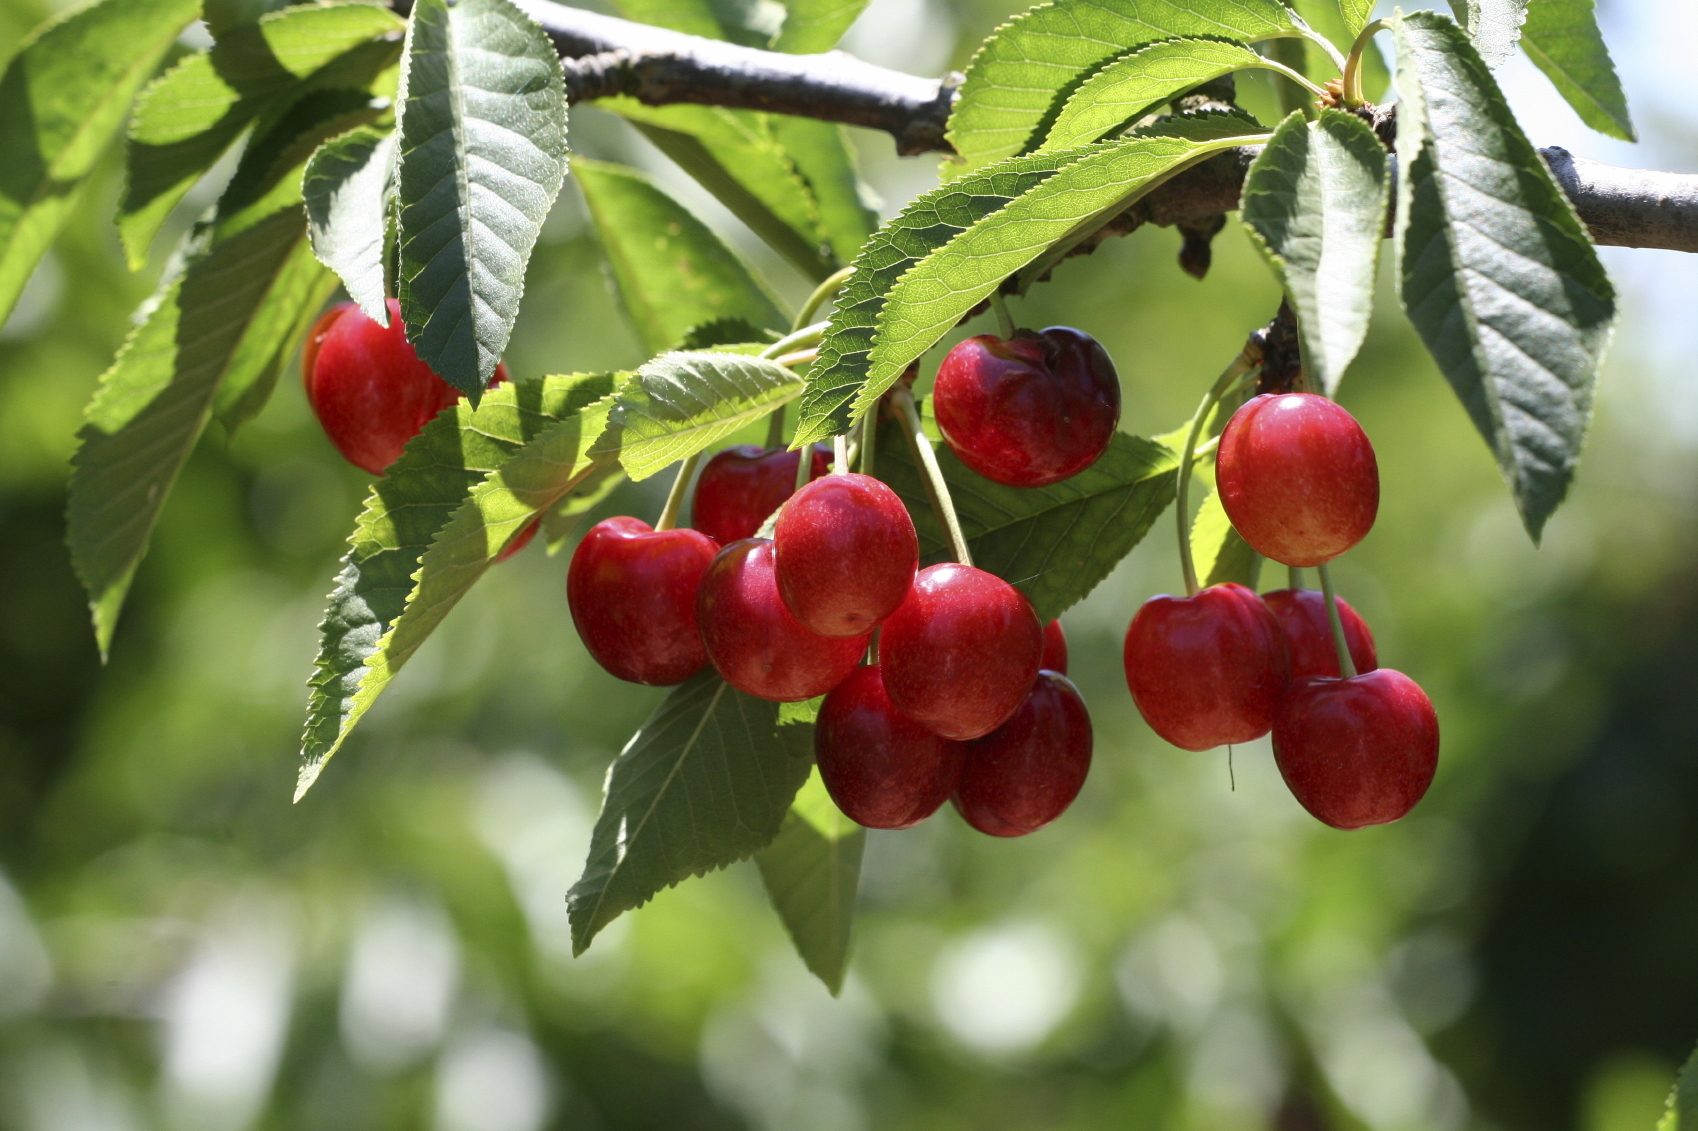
[1297, 477]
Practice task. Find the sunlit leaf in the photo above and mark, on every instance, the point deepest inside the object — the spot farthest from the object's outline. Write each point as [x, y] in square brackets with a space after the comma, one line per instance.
[812, 872]
[1125, 89]
[347, 187]
[1493, 25]
[1562, 38]
[815, 25]
[1218, 551]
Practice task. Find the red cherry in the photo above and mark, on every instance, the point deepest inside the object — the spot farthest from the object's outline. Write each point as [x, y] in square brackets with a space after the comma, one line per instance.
[368, 388]
[1030, 410]
[961, 651]
[1208, 670]
[742, 485]
[845, 553]
[632, 591]
[884, 770]
[1055, 649]
[1026, 772]
[519, 541]
[753, 640]
[1302, 613]
[1357, 751]
[1297, 477]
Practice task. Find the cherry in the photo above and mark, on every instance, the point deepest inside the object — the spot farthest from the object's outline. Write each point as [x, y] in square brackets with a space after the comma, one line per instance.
[1302, 613]
[1297, 477]
[368, 388]
[845, 553]
[632, 591]
[519, 541]
[1030, 410]
[1358, 751]
[753, 640]
[1207, 670]
[1026, 772]
[742, 485]
[884, 770]
[961, 651]
[1055, 649]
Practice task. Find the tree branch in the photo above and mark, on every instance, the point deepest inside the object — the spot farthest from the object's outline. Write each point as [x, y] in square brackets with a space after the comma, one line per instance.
[606, 56]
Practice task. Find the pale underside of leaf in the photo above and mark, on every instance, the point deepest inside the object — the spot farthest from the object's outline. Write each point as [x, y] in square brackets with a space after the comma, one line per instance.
[1498, 275]
[1563, 40]
[1315, 202]
[1493, 25]
[812, 873]
[1128, 87]
[482, 156]
[706, 782]
[347, 186]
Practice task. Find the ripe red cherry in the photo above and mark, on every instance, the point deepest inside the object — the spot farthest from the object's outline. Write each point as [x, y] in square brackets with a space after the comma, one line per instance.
[884, 770]
[1026, 772]
[1297, 477]
[368, 388]
[742, 485]
[1208, 670]
[961, 651]
[752, 639]
[845, 553]
[1358, 751]
[1055, 649]
[1030, 410]
[1302, 614]
[519, 541]
[632, 591]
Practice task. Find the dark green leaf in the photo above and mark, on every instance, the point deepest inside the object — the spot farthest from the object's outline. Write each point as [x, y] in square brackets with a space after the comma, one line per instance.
[347, 186]
[733, 335]
[812, 26]
[706, 782]
[1562, 38]
[1055, 543]
[673, 273]
[482, 156]
[681, 403]
[812, 873]
[432, 524]
[1219, 551]
[224, 16]
[1681, 1113]
[1493, 25]
[65, 94]
[1315, 202]
[1026, 69]
[1498, 274]
[300, 290]
[1128, 87]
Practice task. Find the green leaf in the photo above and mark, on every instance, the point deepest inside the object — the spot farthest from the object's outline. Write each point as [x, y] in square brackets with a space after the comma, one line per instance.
[301, 288]
[1218, 550]
[213, 324]
[932, 220]
[1130, 86]
[347, 187]
[673, 273]
[692, 17]
[66, 92]
[224, 16]
[730, 335]
[1315, 202]
[482, 156]
[1498, 274]
[1025, 70]
[1562, 38]
[706, 782]
[681, 403]
[811, 26]
[1031, 233]
[1356, 13]
[1054, 543]
[187, 119]
[1493, 25]
[1339, 21]
[812, 872]
[433, 523]
[1681, 1111]
[820, 154]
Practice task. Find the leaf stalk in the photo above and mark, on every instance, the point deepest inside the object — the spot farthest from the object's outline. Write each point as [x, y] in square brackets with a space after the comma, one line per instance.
[1353, 65]
[675, 497]
[828, 287]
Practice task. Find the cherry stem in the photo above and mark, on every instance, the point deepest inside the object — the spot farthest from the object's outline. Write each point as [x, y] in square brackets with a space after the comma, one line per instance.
[840, 454]
[775, 428]
[1004, 320]
[1242, 364]
[805, 338]
[804, 468]
[1293, 577]
[828, 287]
[869, 439]
[922, 445]
[1346, 665]
[675, 497]
[1353, 65]
[800, 357]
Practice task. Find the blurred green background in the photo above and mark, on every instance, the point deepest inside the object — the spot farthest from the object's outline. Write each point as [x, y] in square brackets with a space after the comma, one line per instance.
[180, 947]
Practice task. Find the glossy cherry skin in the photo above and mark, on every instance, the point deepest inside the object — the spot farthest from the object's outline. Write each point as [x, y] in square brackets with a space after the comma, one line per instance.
[883, 769]
[1055, 649]
[1297, 477]
[368, 387]
[961, 652]
[1026, 772]
[754, 642]
[1359, 751]
[1030, 410]
[1302, 614]
[632, 591]
[1208, 670]
[742, 485]
[519, 541]
[845, 553]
